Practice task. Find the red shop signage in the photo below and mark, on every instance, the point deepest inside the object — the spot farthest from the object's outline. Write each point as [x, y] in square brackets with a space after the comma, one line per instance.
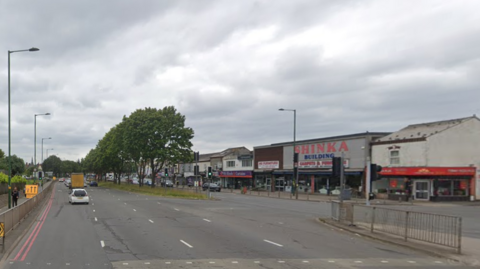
[427, 171]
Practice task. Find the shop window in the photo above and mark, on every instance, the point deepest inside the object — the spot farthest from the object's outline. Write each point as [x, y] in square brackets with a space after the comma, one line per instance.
[460, 187]
[444, 188]
[394, 157]
[246, 163]
[230, 163]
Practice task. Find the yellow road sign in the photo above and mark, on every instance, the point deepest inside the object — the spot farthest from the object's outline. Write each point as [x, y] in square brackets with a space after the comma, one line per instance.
[2, 229]
[31, 190]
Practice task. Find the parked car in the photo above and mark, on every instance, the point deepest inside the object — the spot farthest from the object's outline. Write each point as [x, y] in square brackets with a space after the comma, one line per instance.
[211, 187]
[93, 184]
[77, 196]
[167, 183]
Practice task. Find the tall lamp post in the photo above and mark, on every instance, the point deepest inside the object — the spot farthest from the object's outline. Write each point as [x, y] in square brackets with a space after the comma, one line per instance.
[295, 169]
[9, 129]
[47, 152]
[42, 146]
[35, 137]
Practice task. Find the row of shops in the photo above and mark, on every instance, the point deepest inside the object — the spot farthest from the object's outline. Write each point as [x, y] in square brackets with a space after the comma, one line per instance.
[434, 161]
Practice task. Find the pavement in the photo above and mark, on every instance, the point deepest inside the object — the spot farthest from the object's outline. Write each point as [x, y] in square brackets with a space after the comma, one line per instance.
[127, 230]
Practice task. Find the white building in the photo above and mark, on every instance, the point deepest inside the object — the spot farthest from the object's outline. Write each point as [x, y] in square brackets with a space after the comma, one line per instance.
[441, 160]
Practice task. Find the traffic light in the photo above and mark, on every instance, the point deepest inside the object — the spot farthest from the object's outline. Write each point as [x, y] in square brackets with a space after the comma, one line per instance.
[40, 175]
[196, 156]
[374, 170]
[196, 171]
[166, 172]
[209, 175]
[336, 167]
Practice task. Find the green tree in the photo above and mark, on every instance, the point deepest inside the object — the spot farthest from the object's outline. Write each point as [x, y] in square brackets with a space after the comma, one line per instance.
[2, 154]
[158, 138]
[70, 167]
[54, 164]
[18, 165]
[112, 154]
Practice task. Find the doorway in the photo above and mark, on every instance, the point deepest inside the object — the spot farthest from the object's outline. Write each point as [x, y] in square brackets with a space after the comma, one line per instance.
[422, 190]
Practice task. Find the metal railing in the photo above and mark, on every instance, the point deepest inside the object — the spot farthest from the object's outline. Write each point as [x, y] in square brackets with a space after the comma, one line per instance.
[336, 210]
[13, 216]
[432, 228]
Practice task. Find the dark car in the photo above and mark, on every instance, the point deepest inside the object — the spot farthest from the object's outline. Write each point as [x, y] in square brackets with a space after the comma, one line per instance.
[211, 187]
[93, 184]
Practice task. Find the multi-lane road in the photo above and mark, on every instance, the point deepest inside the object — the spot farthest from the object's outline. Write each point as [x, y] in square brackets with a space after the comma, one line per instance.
[126, 230]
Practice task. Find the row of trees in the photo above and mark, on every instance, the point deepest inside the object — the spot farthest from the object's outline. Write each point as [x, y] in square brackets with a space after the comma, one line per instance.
[149, 138]
[18, 165]
[59, 167]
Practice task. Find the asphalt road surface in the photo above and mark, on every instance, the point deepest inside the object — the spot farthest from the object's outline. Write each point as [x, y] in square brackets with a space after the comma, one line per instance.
[125, 230]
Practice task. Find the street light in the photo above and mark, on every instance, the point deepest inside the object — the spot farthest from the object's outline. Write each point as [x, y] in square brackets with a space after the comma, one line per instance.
[295, 180]
[42, 146]
[47, 152]
[9, 129]
[35, 137]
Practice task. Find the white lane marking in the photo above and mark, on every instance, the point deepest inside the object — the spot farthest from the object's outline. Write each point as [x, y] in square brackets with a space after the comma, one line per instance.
[93, 204]
[412, 261]
[94, 210]
[176, 209]
[150, 220]
[273, 243]
[186, 244]
[134, 210]
[358, 261]
[67, 263]
[125, 203]
[234, 262]
[102, 243]
[167, 262]
[96, 219]
[331, 261]
[281, 261]
[159, 203]
[147, 263]
[305, 261]
[11, 262]
[256, 262]
[48, 263]
[438, 262]
[384, 261]
[207, 220]
[125, 263]
[211, 262]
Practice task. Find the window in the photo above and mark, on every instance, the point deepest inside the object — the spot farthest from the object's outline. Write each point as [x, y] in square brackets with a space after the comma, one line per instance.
[230, 163]
[394, 157]
[246, 163]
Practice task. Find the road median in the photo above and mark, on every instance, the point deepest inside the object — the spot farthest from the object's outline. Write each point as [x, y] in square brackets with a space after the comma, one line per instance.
[147, 190]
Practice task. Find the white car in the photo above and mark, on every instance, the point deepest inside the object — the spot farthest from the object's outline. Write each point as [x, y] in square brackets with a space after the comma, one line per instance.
[78, 196]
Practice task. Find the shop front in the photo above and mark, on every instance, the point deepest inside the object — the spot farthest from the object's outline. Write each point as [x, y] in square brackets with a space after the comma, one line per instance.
[235, 179]
[427, 183]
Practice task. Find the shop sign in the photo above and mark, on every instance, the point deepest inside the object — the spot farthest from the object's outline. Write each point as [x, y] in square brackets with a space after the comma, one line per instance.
[319, 164]
[393, 183]
[269, 165]
[427, 171]
[235, 174]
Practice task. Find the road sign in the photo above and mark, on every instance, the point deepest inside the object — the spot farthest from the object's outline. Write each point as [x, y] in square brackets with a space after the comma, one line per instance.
[31, 190]
[2, 229]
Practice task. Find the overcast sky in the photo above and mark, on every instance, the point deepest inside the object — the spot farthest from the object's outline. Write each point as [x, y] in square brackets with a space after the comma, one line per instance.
[228, 66]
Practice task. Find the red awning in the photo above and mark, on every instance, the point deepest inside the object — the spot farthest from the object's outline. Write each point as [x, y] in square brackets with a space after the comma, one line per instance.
[428, 171]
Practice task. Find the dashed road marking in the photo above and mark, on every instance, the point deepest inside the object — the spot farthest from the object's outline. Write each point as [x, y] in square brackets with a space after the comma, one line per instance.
[125, 203]
[102, 243]
[93, 204]
[159, 203]
[331, 261]
[438, 262]
[134, 210]
[234, 261]
[189, 262]
[412, 262]
[167, 262]
[186, 244]
[281, 261]
[125, 263]
[176, 209]
[256, 262]
[273, 243]
[212, 262]
[305, 261]
[384, 261]
[150, 220]
[207, 220]
[94, 210]
[146, 263]
[96, 219]
[67, 263]
[358, 262]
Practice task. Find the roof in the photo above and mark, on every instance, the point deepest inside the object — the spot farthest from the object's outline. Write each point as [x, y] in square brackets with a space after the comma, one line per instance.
[339, 137]
[423, 130]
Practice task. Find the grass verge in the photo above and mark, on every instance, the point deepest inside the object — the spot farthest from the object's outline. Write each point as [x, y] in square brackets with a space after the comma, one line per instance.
[169, 192]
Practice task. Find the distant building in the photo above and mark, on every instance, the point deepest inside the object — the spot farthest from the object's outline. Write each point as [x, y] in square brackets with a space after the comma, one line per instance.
[441, 160]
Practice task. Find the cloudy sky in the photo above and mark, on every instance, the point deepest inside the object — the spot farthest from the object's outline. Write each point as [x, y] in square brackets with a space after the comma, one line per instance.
[228, 66]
